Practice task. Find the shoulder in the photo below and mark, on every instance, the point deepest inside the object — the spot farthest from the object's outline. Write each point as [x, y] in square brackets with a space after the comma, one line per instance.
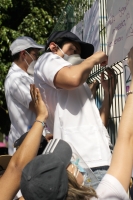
[18, 79]
[15, 71]
[50, 62]
[48, 57]
[51, 57]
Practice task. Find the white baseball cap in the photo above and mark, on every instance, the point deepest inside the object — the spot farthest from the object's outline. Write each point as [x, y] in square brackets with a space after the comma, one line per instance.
[22, 43]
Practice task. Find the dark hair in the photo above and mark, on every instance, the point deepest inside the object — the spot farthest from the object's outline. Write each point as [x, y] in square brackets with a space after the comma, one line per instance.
[59, 41]
[17, 55]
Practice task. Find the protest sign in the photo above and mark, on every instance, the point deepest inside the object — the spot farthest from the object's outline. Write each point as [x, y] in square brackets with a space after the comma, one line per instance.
[91, 26]
[78, 30]
[119, 30]
[109, 5]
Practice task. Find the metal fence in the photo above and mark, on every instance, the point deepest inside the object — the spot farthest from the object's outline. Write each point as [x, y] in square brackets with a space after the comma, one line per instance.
[71, 15]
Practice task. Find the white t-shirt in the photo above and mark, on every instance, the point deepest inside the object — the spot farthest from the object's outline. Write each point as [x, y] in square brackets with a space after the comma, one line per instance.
[73, 115]
[110, 189]
[17, 92]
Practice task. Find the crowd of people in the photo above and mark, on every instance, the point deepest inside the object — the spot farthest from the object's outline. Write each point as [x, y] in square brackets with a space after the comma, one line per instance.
[48, 95]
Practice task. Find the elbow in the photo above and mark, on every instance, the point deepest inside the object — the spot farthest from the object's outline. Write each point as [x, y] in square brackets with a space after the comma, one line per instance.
[75, 81]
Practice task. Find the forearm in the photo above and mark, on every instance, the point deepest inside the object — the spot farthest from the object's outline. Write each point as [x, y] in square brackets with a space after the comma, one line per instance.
[123, 151]
[127, 116]
[73, 76]
[105, 109]
[25, 153]
[29, 147]
[81, 72]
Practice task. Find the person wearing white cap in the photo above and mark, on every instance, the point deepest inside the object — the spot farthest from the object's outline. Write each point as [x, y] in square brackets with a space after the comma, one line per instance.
[24, 52]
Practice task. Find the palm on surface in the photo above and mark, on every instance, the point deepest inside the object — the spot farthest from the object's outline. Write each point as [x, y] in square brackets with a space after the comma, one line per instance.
[39, 105]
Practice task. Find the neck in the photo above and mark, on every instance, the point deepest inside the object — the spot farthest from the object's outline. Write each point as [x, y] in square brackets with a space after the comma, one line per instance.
[22, 65]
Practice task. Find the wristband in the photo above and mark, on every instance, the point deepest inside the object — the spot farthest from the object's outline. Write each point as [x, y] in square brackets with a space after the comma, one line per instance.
[42, 122]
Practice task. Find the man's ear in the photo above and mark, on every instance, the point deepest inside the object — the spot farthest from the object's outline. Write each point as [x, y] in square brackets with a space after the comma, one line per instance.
[22, 54]
[53, 47]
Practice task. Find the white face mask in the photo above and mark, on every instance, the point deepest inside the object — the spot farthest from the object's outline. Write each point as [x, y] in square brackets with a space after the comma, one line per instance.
[74, 59]
[30, 69]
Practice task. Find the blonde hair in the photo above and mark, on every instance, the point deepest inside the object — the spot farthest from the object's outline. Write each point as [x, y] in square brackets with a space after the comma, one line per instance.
[78, 192]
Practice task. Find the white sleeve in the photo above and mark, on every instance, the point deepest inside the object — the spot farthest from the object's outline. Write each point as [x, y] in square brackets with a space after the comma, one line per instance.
[110, 188]
[50, 65]
[20, 90]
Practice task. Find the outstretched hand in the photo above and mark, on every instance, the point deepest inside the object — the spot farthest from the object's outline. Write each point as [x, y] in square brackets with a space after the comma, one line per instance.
[39, 105]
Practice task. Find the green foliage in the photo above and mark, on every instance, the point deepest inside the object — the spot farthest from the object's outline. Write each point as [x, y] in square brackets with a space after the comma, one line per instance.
[5, 4]
[32, 18]
[36, 19]
[72, 14]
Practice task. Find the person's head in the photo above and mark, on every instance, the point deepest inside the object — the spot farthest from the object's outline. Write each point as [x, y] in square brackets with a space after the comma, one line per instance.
[4, 161]
[47, 176]
[77, 191]
[24, 51]
[66, 42]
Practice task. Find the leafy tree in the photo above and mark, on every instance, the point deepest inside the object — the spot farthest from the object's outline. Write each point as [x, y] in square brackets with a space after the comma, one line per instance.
[36, 19]
[33, 18]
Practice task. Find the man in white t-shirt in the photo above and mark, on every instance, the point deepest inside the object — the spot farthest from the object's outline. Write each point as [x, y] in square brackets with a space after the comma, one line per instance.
[24, 51]
[73, 115]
